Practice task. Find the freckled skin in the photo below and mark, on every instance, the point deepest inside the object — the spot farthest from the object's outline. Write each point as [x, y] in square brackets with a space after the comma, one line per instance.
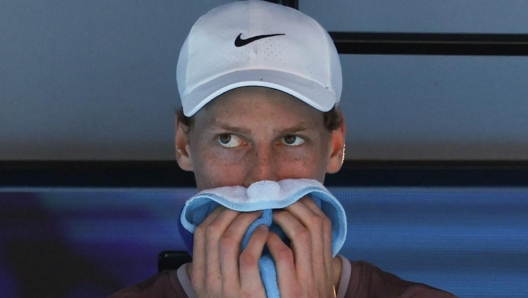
[261, 118]
[248, 135]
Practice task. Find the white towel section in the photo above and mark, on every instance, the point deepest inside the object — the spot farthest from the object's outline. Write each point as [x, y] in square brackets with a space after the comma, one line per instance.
[264, 195]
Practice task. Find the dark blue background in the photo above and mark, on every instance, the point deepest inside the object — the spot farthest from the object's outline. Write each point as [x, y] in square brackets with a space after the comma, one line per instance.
[86, 243]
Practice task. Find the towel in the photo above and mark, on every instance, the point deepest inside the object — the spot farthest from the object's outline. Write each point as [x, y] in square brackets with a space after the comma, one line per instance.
[266, 196]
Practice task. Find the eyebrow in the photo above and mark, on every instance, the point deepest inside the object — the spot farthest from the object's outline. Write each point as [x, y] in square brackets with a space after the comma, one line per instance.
[224, 126]
[301, 126]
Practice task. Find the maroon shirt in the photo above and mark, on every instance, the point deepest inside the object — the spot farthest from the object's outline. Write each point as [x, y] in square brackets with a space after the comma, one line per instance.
[366, 281]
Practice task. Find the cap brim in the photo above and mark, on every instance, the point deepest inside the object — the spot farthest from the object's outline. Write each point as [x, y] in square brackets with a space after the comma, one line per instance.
[319, 97]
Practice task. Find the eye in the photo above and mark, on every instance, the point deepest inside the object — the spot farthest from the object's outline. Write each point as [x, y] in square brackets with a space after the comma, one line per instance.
[292, 140]
[229, 140]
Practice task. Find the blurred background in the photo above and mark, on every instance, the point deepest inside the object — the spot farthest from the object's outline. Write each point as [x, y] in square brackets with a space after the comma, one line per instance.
[90, 243]
[94, 81]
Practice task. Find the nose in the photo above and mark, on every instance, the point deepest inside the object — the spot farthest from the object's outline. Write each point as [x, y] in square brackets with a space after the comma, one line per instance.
[261, 166]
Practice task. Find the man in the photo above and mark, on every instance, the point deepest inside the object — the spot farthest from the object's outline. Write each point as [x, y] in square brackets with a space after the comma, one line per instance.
[260, 85]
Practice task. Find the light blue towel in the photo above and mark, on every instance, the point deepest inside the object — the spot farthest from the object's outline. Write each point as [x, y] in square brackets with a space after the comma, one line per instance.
[266, 196]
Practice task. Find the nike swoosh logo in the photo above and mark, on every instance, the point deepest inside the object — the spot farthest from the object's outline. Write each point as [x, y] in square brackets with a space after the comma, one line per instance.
[239, 42]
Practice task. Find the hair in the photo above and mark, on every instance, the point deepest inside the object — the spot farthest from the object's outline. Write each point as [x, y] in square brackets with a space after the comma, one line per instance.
[332, 119]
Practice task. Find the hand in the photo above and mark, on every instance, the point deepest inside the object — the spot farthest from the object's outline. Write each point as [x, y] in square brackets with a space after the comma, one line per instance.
[219, 268]
[306, 269]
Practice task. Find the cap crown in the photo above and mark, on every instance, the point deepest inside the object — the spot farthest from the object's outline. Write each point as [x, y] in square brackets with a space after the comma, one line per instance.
[257, 43]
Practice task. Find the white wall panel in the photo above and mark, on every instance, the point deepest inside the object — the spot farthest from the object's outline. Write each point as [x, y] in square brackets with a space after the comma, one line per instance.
[96, 80]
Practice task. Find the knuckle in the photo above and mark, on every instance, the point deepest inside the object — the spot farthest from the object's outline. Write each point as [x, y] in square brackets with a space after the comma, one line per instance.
[303, 236]
[258, 236]
[199, 231]
[211, 230]
[284, 254]
[316, 220]
[248, 260]
[327, 224]
[227, 240]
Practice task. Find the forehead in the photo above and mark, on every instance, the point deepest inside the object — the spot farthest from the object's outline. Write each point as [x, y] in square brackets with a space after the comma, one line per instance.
[260, 103]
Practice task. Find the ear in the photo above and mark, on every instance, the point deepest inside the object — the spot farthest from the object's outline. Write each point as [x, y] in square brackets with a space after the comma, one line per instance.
[337, 149]
[183, 153]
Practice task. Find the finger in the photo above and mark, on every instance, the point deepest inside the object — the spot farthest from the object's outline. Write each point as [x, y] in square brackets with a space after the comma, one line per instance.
[320, 230]
[229, 247]
[310, 203]
[284, 263]
[251, 281]
[199, 249]
[308, 213]
[326, 225]
[301, 240]
[316, 221]
[213, 233]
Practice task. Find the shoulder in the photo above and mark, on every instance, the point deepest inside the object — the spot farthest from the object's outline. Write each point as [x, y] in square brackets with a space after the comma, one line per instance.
[367, 280]
[163, 285]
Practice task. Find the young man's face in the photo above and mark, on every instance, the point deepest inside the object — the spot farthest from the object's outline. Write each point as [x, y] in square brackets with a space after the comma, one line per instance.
[254, 133]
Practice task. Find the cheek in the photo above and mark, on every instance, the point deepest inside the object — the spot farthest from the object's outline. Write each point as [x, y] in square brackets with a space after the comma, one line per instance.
[216, 168]
[304, 163]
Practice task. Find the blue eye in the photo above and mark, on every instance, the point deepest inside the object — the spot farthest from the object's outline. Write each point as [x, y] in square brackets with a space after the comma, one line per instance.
[229, 140]
[292, 140]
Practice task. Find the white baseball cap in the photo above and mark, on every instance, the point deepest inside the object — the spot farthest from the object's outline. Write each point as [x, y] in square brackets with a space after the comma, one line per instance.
[257, 43]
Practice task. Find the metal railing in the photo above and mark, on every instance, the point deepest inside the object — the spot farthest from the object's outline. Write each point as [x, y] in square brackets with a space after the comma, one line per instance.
[381, 43]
